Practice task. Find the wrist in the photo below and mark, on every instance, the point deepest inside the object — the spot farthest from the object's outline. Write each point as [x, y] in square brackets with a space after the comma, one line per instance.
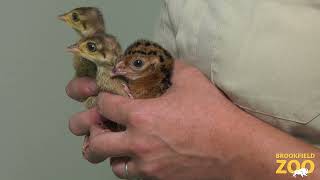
[249, 145]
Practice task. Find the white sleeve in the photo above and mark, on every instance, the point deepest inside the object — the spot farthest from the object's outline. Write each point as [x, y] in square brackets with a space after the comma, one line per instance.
[165, 33]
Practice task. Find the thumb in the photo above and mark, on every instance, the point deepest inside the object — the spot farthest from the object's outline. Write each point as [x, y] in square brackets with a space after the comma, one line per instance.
[182, 72]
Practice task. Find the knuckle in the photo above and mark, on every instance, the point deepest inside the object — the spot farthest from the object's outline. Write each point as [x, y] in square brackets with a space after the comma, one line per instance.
[105, 100]
[94, 146]
[139, 147]
[138, 118]
[118, 103]
[149, 169]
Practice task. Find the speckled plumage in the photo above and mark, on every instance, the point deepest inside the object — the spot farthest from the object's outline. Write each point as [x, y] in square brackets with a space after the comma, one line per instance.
[152, 81]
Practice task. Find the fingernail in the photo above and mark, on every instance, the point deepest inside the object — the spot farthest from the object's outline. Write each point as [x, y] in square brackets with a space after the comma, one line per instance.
[67, 91]
[85, 147]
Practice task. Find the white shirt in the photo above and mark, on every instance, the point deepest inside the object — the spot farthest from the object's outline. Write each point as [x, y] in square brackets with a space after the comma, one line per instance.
[264, 55]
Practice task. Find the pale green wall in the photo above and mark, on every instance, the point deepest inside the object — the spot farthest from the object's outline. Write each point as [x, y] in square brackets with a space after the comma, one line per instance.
[34, 69]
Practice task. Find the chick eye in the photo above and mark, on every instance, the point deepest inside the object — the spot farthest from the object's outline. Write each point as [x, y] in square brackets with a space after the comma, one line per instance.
[75, 17]
[91, 47]
[138, 63]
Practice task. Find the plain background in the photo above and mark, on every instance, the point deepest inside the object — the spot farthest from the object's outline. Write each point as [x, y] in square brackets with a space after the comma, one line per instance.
[34, 109]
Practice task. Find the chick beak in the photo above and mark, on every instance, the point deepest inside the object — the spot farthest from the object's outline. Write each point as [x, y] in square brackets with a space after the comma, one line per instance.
[62, 17]
[118, 70]
[74, 48]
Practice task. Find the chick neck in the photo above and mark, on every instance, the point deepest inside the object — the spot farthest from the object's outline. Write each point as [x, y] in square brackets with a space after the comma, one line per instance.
[147, 83]
[104, 68]
[92, 29]
[103, 74]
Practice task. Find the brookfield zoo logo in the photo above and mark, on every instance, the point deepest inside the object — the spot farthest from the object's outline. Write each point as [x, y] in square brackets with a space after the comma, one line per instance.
[298, 164]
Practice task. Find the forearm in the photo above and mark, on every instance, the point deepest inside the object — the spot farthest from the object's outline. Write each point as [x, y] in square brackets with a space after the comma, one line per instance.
[251, 145]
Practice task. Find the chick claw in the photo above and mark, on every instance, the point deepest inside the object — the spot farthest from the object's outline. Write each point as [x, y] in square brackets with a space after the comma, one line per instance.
[127, 90]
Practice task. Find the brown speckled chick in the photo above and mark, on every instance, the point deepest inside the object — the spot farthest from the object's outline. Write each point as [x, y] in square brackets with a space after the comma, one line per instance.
[103, 50]
[147, 67]
[86, 21]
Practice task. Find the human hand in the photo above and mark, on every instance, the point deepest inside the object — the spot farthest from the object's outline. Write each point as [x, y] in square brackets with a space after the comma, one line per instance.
[166, 138]
[191, 132]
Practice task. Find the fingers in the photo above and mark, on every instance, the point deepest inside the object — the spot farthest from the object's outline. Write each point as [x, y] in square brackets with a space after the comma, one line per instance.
[104, 145]
[100, 143]
[94, 131]
[81, 88]
[115, 107]
[80, 123]
[118, 167]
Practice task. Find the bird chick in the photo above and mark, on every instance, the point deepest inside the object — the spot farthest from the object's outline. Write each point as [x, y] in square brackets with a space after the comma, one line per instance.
[147, 67]
[103, 50]
[86, 21]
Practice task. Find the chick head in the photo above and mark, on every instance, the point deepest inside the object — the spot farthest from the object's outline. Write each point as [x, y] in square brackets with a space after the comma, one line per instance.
[84, 20]
[142, 59]
[102, 49]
